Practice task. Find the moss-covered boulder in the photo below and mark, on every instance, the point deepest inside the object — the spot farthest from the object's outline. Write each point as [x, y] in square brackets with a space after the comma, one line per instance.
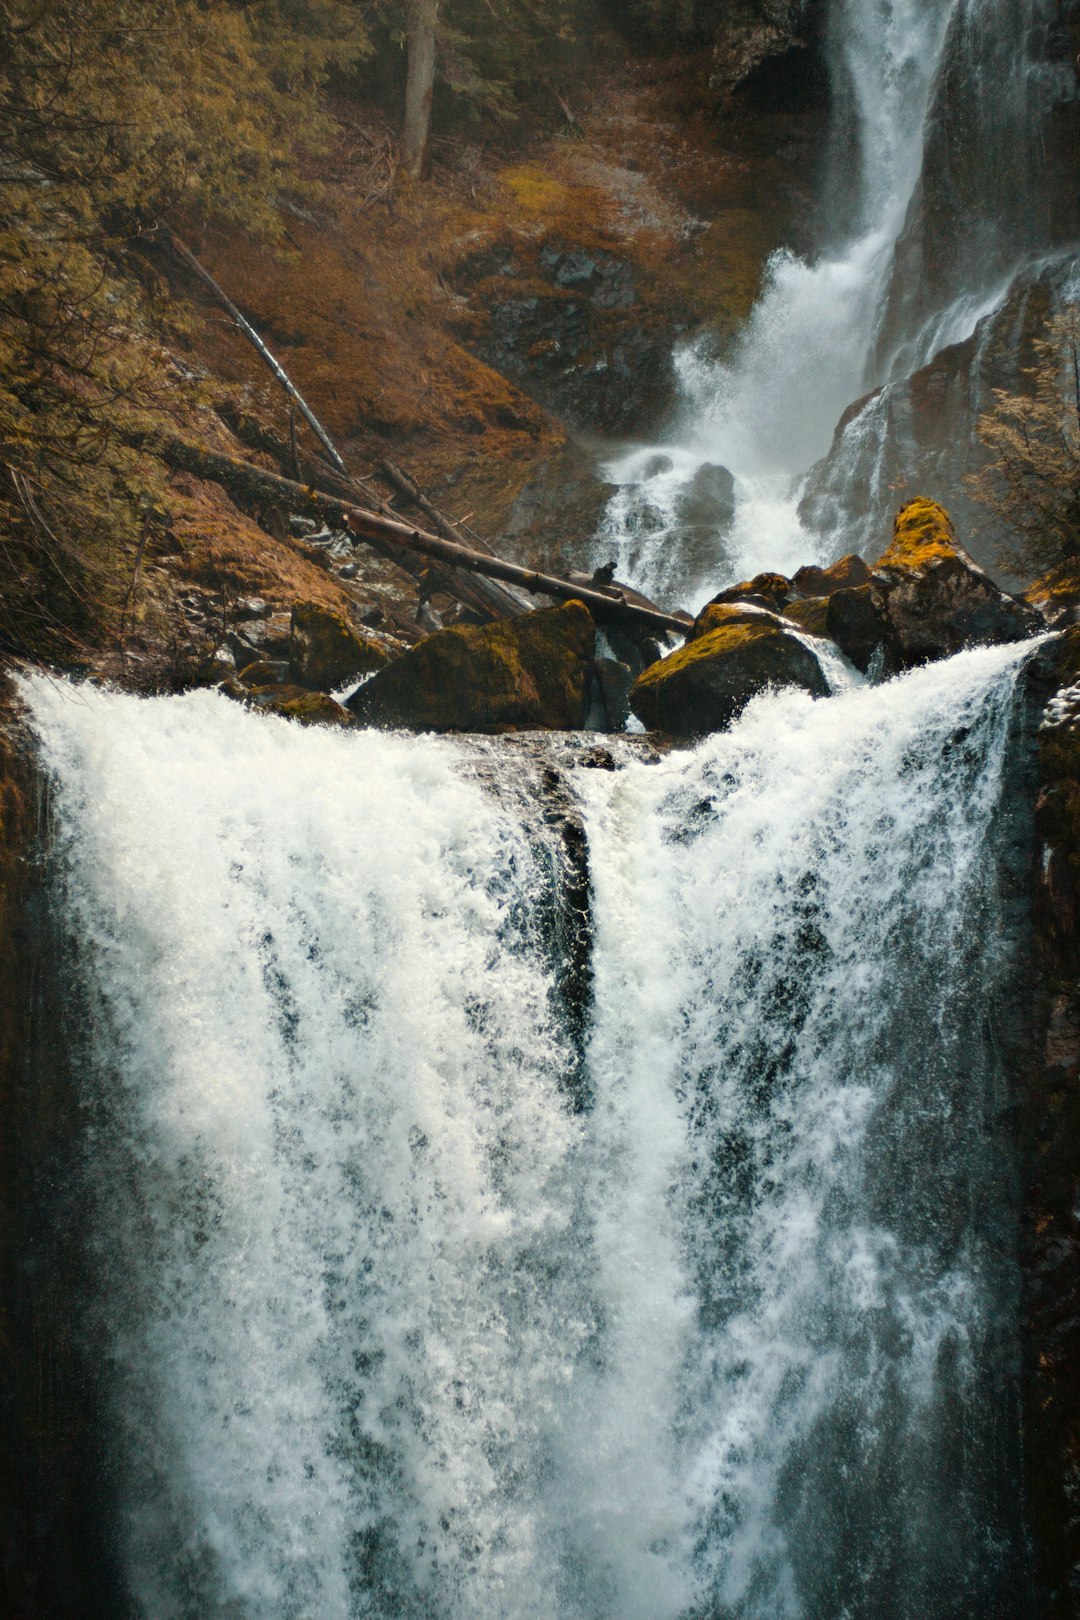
[707, 684]
[810, 613]
[936, 598]
[718, 615]
[326, 652]
[525, 674]
[297, 703]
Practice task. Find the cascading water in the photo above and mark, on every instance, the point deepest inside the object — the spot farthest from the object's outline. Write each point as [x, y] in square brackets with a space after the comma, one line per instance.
[939, 108]
[426, 1285]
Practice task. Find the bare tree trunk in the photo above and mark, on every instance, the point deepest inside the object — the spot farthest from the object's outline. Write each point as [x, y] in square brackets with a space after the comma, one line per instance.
[419, 85]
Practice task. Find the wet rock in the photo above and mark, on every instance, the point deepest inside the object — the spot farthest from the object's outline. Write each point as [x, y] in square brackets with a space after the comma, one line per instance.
[722, 612]
[772, 591]
[297, 703]
[706, 685]
[266, 672]
[530, 673]
[811, 614]
[609, 706]
[937, 599]
[847, 574]
[326, 652]
[855, 619]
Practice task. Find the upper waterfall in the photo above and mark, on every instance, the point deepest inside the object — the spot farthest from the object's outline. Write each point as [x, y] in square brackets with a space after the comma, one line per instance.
[929, 209]
[420, 1287]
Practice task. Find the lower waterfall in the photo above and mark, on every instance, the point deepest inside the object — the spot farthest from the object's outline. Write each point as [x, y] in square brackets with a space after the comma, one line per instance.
[422, 1283]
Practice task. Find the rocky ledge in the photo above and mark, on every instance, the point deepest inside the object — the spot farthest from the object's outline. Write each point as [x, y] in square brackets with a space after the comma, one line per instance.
[925, 598]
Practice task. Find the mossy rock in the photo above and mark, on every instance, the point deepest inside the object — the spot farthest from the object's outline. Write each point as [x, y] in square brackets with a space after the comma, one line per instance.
[706, 685]
[297, 703]
[265, 672]
[847, 574]
[937, 600]
[325, 651]
[771, 591]
[718, 615]
[810, 614]
[524, 674]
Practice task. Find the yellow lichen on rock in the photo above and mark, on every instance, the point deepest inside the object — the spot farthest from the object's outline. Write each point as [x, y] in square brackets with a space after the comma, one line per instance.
[923, 534]
[708, 683]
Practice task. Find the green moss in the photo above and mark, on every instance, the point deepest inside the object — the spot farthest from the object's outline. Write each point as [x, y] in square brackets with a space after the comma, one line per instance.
[525, 673]
[716, 643]
[325, 651]
[810, 615]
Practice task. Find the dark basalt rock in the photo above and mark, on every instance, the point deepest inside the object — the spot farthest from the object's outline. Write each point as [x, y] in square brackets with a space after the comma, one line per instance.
[530, 673]
[847, 574]
[855, 619]
[706, 685]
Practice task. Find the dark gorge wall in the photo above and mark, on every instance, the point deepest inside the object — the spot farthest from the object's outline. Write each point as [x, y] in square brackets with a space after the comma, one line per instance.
[53, 1563]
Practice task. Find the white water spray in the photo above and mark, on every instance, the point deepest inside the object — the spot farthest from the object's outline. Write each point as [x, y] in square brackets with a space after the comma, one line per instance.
[393, 1320]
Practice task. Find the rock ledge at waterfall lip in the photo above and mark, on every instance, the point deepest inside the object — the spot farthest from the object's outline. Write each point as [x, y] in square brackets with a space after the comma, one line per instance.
[707, 684]
[524, 674]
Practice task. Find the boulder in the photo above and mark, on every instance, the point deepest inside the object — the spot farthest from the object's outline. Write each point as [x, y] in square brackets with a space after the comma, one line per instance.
[707, 684]
[855, 619]
[721, 614]
[847, 574]
[525, 674]
[773, 591]
[936, 599]
[810, 613]
[326, 652]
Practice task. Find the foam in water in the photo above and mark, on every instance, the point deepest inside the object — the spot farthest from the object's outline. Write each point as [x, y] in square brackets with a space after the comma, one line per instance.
[386, 1325]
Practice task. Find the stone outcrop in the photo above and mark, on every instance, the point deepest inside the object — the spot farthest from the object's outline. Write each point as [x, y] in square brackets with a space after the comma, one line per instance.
[326, 652]
[530, 673]
[925, 599]
[706, 685]
[752, 32]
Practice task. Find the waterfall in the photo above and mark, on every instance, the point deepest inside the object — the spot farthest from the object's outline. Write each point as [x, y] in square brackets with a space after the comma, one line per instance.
[422, 1283]
[938, 119]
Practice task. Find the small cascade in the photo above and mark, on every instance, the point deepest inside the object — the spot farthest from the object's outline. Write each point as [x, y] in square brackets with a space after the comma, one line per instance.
[939, 115]
[427, 1278]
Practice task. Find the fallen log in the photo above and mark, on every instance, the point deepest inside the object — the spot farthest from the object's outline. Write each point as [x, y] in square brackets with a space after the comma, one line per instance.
[410, 489]
[370, 525]
[253, 487]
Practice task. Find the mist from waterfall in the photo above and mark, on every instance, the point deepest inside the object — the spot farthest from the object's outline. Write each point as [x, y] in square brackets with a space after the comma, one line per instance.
[420, 1287]
[935, 113]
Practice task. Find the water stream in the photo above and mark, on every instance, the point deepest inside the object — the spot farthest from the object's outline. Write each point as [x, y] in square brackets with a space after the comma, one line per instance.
[934, 201]
[425, 1283]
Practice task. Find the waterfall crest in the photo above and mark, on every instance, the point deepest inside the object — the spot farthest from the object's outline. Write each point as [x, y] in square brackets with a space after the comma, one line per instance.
[391, 1320]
